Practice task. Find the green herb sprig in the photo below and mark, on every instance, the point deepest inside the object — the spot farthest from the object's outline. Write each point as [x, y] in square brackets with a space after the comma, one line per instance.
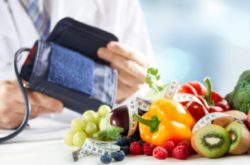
[153, 78]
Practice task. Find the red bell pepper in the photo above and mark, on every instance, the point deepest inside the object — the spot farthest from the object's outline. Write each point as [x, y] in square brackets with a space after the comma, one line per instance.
[215, 101]
[193, 87]
[208, 100]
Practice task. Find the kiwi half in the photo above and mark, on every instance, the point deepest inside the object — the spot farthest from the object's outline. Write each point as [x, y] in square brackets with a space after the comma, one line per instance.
[240, 138]
[211, 141]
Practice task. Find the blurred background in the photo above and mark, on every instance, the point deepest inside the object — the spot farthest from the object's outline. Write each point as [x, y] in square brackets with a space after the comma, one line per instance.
[197, 38]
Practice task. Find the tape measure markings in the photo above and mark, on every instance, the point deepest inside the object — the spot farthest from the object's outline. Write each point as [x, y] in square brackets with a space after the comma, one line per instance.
[206, 120]
[92, 146]
[171, 89]
[132, 109]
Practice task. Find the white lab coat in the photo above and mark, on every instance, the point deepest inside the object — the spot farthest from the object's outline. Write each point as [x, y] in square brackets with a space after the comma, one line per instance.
[120, 17]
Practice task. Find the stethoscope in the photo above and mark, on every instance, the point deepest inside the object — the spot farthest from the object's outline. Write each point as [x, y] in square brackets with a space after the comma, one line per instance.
[22, 88]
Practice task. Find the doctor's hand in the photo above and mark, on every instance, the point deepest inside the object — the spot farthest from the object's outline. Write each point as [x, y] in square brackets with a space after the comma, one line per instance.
[12, 107]
[130, 64]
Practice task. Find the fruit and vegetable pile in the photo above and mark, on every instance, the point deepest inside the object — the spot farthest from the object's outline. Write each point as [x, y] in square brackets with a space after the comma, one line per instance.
[172, 120]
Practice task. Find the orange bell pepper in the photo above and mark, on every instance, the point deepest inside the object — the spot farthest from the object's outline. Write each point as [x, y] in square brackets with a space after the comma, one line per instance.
[165, 120]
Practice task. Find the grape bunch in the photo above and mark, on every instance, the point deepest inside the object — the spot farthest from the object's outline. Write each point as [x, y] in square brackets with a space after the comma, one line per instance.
[85, 127]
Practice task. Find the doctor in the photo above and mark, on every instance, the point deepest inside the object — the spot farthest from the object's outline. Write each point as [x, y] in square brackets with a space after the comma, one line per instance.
[24, 21]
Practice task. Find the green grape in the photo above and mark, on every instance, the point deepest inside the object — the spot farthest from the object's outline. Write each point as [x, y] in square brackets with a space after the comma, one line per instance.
[104, 123]
[68, 137]
[91, 128]
[103, 110]
[79, 139]
[78, 125]
[99, 120]
[90, 116]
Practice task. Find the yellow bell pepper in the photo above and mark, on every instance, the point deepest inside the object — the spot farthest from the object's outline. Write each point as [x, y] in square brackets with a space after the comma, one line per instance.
[165, 120]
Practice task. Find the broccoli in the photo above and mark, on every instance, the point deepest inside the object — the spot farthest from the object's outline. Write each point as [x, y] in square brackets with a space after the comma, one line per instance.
[239, 98]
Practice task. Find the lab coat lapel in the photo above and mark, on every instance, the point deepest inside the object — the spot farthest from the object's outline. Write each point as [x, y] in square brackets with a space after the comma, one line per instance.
[27, 32]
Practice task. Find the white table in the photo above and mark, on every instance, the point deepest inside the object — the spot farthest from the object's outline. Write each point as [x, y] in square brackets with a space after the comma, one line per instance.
[35, 150]
[54, 152]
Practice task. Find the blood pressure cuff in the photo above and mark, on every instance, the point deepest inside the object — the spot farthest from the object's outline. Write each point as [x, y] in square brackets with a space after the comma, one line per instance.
[67, 68]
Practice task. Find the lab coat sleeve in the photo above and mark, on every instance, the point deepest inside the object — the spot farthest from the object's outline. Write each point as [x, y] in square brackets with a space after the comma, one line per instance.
[135, 30]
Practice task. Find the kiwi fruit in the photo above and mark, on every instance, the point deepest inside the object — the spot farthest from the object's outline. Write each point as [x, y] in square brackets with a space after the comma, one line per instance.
[223, 121]
[237, 114]
[240, 138]
[229, 117]
[211, 141]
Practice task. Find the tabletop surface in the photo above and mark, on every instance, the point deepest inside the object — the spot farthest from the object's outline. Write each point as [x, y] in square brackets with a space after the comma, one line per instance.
[55, 152]
[42, 144]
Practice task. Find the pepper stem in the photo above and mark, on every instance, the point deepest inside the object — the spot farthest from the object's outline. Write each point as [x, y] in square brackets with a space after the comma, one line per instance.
[153, 123]
[208, 96]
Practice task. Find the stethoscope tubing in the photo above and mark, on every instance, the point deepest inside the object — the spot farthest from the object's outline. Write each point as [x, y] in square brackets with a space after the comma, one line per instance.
[26, 100]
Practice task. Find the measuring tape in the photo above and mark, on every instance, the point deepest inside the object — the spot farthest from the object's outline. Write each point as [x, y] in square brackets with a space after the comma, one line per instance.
[95, 147]
[143, 105]
[171, 89]
[134, 105]
[207, 119]
[171, 92]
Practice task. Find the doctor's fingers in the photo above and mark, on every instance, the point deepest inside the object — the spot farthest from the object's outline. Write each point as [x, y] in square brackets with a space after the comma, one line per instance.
[122, 63]
[124, 91]
[133, 73]
[128, 53]
[127, 79]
